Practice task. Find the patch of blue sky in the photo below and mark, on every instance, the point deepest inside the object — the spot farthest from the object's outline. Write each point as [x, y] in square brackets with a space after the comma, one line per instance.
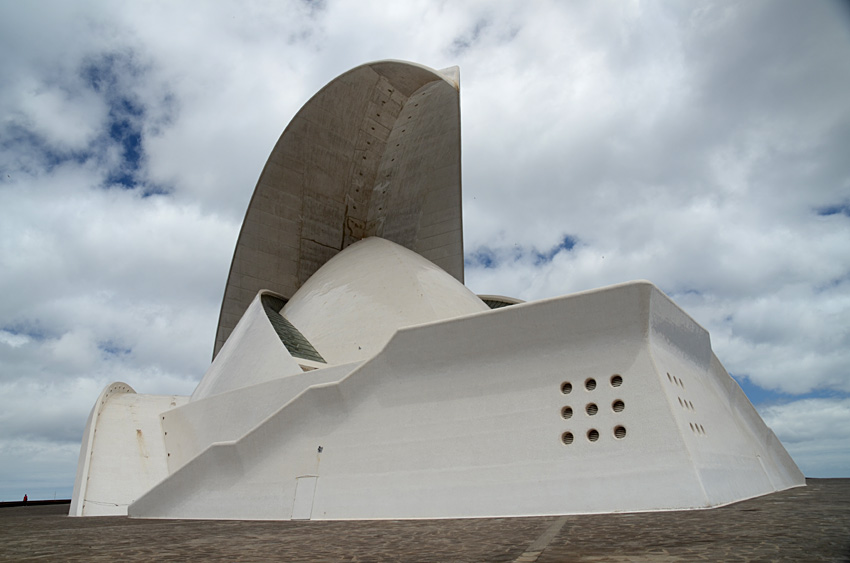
[110, 348]
[151, 190]
[838, 209]
[567, 243]
[482, 257]
[107, 76]
[682, 292]
[30, 332]
[486, 257]
[760, 396]
[22, 140]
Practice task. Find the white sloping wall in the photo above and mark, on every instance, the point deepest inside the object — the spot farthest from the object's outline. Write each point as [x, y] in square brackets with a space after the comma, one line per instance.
[466, 418]
[123, 453]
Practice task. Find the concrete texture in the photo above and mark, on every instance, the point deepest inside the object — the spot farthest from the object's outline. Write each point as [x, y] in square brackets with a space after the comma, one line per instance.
[418, 399]
[803, 524]
[376, 152]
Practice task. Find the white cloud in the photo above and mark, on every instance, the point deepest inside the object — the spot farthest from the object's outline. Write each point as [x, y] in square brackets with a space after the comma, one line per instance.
[816, 433]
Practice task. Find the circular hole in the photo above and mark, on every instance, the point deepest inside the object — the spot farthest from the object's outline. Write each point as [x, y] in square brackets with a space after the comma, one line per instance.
[591, 409]
[618, 405]
[590, 384]
[566, 387]
[592, 434]
[616, 380]
[567, 438]
[567, 412]
[620, 432]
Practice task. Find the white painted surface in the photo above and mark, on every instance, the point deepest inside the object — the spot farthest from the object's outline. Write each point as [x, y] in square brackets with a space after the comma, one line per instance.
[125, 454]
[193, 427]
[353, 305]
[305, 488]
[253, 354]
[462, 418]
[432, 405]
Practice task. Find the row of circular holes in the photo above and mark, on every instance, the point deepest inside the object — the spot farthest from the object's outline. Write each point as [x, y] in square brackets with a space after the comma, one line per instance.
[593, 435]
[590, 384]
[591, 409]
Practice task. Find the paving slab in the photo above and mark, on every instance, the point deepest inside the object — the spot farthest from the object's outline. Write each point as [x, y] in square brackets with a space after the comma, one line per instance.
[803, 524]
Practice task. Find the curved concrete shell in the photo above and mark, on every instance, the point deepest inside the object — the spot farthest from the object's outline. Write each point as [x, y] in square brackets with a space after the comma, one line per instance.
[377, 284]
[362, 379]
[376, 152]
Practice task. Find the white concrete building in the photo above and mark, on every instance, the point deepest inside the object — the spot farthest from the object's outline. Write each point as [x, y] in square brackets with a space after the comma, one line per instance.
[355, 376]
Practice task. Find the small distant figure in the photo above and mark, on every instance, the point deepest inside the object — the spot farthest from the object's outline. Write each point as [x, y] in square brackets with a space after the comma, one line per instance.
[25, 498]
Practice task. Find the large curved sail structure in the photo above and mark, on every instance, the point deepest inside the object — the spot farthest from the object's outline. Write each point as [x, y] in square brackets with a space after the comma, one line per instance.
[362, 379]
[376, 152]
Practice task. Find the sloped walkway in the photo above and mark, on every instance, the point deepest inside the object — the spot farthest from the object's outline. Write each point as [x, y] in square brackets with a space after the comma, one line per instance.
[805, 524]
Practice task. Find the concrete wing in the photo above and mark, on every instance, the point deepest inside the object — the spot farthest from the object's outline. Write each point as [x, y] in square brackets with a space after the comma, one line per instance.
[376, 152]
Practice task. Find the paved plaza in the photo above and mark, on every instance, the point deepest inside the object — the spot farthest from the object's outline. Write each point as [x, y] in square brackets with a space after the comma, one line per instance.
[803, 524]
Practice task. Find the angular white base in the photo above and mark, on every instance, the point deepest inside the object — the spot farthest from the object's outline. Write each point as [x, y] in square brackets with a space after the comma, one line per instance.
[464, 418]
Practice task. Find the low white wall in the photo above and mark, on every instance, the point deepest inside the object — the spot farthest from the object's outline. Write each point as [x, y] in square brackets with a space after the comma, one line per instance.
[463, 418]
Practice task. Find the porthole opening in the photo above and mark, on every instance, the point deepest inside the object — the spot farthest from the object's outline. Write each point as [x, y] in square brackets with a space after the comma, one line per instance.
[590, 384]
[620, 432]
[566, 387]
[618, 405]
[567, 438]
[567, 412]
[592, 409]
[616, 380]
[593, 434]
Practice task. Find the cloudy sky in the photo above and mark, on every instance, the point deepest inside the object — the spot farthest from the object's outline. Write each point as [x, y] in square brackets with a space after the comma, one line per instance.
[703, 146]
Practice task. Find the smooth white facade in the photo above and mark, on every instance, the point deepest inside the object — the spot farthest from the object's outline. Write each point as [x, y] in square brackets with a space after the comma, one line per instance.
[380, 387]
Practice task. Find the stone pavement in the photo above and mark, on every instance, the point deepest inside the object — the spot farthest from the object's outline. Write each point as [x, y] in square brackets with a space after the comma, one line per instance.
[804, 524]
